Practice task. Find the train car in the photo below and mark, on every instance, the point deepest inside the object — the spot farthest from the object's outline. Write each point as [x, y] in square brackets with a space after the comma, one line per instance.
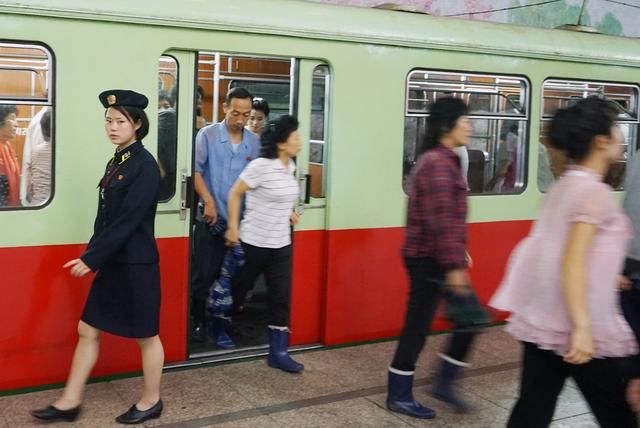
[359, 80]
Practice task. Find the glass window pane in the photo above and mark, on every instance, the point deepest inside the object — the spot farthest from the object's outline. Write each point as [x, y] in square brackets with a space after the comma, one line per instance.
[318, 143]
[495, 159]
[167, 125]
[484, 94]
[559, 94]
[26, 126]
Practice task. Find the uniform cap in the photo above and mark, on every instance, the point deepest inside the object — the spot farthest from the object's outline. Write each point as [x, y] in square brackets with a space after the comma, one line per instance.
[123, 97]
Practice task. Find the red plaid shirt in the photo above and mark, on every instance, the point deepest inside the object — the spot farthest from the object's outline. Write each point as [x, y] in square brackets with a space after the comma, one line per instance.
[437, 211]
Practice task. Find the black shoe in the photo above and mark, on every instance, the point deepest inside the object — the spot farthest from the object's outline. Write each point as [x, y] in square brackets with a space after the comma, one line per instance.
[198, 332]
[135, 416]
[52, 414]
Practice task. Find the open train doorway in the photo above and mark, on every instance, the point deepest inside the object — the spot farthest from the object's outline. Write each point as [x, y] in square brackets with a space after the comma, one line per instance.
[271, 82]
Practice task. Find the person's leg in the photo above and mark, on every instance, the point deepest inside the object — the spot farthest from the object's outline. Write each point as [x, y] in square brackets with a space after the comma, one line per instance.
[468, 317]
[208, 253]
[152, 363]
[150, 405]
[603, 385]
[278, 279]
[254, 265]
[542, 377]
[425, 292]
[84, 359]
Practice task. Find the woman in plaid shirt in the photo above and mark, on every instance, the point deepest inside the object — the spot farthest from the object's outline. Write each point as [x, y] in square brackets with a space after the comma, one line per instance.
[436, 260]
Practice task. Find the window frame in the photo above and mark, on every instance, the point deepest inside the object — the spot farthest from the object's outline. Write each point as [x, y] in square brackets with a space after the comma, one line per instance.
[526, 118]
[630, 151]
[50, 103]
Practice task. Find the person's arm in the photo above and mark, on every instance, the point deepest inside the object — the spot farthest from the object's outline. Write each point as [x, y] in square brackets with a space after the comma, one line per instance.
[250, 178]
[210, 213]
[574, 285]
[139, 199]
[438, 203]
[234, 200]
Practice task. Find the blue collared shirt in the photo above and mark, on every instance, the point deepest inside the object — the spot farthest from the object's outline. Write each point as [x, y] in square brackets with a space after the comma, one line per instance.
[219, 165]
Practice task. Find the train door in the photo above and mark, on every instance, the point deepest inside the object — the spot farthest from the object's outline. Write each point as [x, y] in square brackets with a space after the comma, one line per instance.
[288, 86]
[310, 238]
[174, 133]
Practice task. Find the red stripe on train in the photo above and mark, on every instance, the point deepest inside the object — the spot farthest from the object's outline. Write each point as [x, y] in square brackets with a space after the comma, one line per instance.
[363, 299]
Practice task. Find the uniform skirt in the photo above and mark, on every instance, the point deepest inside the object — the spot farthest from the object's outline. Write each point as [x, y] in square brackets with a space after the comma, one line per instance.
[125, 300]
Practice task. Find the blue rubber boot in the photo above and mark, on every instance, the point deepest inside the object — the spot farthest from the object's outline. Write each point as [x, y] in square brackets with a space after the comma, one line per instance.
[278, 356]
[218, 333]
[444, 387]
[400, 397]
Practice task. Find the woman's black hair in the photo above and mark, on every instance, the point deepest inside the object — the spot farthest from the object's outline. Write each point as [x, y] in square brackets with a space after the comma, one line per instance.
[135, 114]
[45, 125]
[262, 105]
[443, 116]
[6, 110]
[572, 129]
[275, 132]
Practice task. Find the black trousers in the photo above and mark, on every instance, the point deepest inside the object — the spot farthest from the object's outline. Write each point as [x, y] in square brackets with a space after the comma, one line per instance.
[275, 263]
[601, 382]
[427, 290]
[207, 257]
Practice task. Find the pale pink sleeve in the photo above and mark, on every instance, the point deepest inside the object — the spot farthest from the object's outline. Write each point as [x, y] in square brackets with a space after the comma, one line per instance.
[595, 205]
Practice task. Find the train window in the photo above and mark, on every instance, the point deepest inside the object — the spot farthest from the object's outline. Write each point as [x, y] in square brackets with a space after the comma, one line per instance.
[26, 125]
[318, 141]
[167, 125]
[559, 93]
[498, 108]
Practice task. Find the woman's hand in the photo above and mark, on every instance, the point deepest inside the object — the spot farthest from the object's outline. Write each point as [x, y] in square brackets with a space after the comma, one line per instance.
[457, 280]
[624, 283]
[232, 236]
[78, 268]
[581, 349]
[633, 394]
[294, 219]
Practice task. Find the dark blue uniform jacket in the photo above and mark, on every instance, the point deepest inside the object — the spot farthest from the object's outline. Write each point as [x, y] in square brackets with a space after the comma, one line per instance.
[124, 227]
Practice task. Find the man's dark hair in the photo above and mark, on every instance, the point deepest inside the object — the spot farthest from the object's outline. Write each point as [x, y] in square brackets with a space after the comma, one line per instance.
[238, 92]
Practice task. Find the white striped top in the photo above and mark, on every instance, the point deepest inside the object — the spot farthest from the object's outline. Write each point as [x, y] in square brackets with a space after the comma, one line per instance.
[271, 198]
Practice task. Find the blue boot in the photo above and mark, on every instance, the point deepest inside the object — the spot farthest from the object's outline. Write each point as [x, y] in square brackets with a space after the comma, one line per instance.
[444, 387]
[278, 356]
[218, 332]
[400, 396]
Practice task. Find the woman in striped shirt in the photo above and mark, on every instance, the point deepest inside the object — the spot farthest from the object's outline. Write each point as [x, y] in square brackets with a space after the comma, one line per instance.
[265, 232]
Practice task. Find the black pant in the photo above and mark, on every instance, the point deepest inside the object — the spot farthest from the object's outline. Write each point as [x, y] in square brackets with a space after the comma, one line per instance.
[543, 375]
[208, 254]
[427, 289]
[275, 263]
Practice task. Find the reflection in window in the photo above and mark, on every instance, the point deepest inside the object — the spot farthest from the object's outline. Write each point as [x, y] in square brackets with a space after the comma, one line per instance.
[167, 125]
[318, 140]
[26, 118]
[495, 157]
[564, 93]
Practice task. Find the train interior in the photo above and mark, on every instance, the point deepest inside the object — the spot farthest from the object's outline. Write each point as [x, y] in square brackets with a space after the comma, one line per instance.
[271, 79]
[25, 83]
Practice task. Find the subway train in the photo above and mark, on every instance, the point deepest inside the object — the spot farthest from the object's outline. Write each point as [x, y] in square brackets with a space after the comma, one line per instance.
[359, 80]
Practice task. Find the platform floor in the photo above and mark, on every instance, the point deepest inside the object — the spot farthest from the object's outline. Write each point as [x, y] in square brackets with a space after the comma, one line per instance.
[342, 387]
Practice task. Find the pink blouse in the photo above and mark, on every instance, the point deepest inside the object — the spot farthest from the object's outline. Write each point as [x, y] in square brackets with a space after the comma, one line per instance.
[532, 287]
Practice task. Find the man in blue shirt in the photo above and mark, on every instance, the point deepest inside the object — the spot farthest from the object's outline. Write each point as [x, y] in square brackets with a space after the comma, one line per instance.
[222, 152]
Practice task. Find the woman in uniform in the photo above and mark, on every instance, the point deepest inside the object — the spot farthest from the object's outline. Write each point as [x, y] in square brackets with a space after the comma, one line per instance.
[125, 296]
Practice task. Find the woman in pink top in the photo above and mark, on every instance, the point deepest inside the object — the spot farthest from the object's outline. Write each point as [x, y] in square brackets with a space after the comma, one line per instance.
[561, 285]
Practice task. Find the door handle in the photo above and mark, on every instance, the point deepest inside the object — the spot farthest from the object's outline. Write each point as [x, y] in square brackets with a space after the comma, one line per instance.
[186, 193]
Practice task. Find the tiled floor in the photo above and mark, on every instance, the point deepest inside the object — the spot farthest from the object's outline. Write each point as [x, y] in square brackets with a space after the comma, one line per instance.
[342, 387]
